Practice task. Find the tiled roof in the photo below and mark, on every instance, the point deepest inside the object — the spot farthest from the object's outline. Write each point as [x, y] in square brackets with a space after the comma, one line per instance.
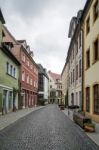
[55, 76]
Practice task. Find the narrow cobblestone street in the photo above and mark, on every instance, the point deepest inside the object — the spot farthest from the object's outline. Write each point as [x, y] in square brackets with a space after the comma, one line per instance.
[45, 129]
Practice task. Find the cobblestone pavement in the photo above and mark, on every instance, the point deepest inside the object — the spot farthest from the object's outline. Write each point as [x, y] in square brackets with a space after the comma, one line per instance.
[45, 129]
[10, 118]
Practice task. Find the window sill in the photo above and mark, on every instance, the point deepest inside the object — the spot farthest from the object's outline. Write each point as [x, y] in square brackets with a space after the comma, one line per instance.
[95, 61]
[11, 76]
[87, 68]
[87, 33]
[95, 20]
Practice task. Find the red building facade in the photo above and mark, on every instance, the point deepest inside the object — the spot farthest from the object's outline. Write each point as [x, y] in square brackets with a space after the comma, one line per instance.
[28, 71]
[29, 76]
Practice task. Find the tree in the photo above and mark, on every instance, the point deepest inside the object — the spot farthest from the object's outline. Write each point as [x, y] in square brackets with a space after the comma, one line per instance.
[66, 99]
[15, 91]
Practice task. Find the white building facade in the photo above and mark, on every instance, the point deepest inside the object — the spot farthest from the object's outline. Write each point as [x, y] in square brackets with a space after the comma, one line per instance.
[75, 62]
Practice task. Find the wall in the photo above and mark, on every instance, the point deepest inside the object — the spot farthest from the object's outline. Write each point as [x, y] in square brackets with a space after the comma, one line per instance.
[91, 75]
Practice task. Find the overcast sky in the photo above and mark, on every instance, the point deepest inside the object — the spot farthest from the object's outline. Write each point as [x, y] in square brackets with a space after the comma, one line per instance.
[44, 25]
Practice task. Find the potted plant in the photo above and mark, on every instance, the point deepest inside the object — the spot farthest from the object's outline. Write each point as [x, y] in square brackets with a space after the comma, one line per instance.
[15, 91]
[61, 106]
[89, 127]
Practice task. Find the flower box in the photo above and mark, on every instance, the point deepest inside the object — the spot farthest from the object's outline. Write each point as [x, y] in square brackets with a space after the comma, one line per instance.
[89, 127]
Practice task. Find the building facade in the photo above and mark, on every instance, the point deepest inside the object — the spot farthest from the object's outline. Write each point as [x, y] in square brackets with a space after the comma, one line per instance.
[9, 80]
[28, 70]
[74, 60]
[9, 75]
[42, 84]
[64, 78]
[90, 21]
[55, 88]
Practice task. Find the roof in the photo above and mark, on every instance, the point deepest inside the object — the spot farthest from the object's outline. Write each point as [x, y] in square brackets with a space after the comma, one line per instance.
[86, 8]
[6, 29]
[21, 41]
[1, 17]
[9, 54]
[72, 22]
[55, 76]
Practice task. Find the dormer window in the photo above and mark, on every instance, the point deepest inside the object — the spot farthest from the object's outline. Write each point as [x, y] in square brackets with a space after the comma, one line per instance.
[9, 45]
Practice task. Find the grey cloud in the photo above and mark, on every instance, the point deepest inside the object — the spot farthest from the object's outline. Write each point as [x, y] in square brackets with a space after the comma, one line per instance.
[27, 8]
[44, 24]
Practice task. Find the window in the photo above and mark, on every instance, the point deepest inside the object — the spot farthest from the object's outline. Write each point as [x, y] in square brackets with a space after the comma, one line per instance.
[50, 86]
[31, 81]
[80, 40]
[96, 99]
[71, 58]
[7, 67]
[95, 10]
[31, 66]
[35, 71]
[88, 59]
[34, 84]
[11, 70]
[88, 99]
[23, 58]
[73, 75]
[76, 47]
[80, 68]
[27, 79]
[76, 72]
[88, 25]
[28, 62]
[73, 53]
[96, 51]
[23, 76]
[14, 72]
[80, 98]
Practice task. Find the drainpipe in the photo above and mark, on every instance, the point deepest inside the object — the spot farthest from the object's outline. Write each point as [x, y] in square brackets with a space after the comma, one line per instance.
[82, 69]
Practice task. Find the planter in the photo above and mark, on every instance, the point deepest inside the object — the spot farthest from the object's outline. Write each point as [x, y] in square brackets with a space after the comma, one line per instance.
[61, 107]
[89, 129]
[81, 120]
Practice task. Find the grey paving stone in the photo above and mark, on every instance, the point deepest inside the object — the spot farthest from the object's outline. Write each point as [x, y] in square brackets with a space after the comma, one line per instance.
[45, 129]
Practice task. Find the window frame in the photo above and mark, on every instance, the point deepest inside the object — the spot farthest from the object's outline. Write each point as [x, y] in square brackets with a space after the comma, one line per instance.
[94, 11]
[88, 58]
[96, 98]
[97, 55]
[88, 25]
[88, 101]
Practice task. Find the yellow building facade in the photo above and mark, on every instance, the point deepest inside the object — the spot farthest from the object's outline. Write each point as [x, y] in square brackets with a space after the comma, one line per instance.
[64, 78]
[91, 60]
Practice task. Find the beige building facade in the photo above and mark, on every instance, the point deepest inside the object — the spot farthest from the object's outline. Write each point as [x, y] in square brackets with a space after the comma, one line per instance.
[55, 87]
[90, 20]
[64, 78]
